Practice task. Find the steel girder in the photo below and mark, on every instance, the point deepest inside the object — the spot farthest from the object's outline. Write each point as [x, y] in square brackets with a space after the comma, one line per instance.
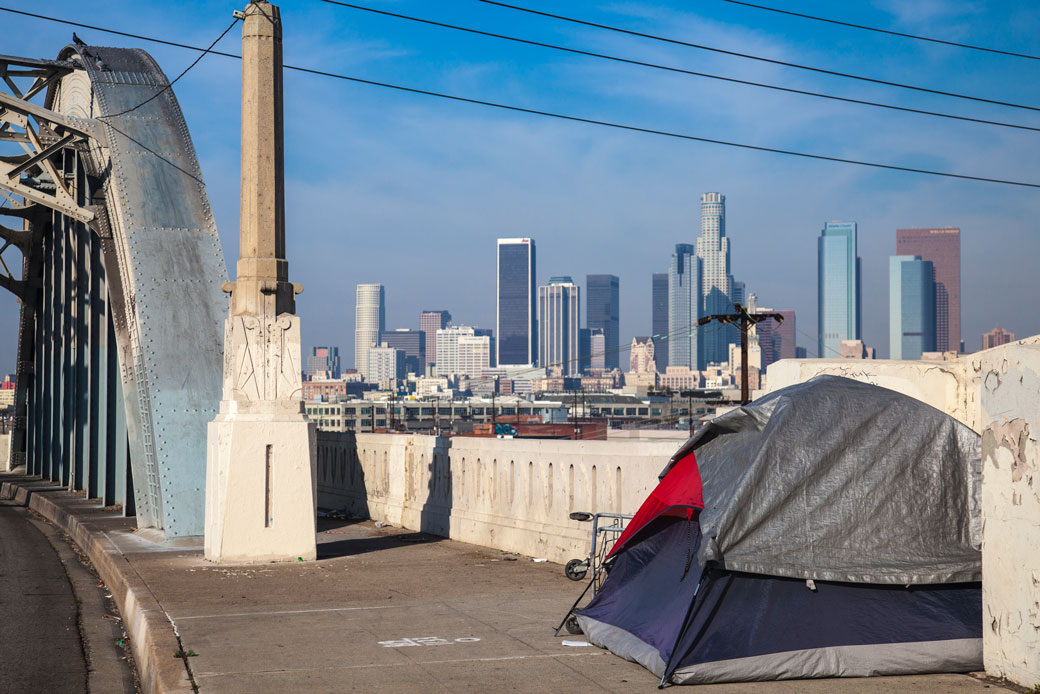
[121, 332]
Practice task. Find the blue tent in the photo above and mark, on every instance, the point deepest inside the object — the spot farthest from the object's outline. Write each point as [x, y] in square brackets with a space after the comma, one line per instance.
[838, 537]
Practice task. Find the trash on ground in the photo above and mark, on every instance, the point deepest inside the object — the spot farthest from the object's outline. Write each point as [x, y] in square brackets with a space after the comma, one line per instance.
[112, 617]
[508, 558]
[576, 643]
[381, 524]
[539, 560]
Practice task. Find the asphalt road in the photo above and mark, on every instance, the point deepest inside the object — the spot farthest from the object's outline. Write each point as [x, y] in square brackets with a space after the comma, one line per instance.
[42, 647]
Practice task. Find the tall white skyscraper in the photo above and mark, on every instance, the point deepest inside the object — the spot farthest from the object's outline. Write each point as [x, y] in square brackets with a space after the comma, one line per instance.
[684, 304]
[369, 322]
[559, 321]
[716, 281]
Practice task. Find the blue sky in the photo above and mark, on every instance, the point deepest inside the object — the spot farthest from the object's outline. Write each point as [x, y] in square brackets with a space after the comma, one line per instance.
[412, 191]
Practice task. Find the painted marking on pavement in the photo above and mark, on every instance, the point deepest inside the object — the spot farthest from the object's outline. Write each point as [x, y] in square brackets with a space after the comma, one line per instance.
[426, 641]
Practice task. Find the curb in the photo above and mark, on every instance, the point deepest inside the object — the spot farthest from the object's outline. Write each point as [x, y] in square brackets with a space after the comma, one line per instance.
[151, 633]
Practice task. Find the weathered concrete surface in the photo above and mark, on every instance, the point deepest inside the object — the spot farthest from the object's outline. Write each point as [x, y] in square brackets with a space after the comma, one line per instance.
[509, 494]
[260, 487]
[943, 385]
[996, 392]
[325, 626]
[955, 387]
[260, 493]
[1009, 401]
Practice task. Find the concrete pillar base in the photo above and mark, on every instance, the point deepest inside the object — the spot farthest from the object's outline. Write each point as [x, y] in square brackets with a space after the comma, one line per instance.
[261, 489]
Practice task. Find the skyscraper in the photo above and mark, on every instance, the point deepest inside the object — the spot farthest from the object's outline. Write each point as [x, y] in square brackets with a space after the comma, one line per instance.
[430, 322]
[943, 248]
[462, 352]
[602, 311]
[659, 319]
[784, 337]
[716, 280]
[597, 350]
[559, 321]
[838, 269]
[996, 337]
[385, 365]
[516, 318]
[324, 360]
[684, 306]
[412, 343]
[911, 307]
[369, 322]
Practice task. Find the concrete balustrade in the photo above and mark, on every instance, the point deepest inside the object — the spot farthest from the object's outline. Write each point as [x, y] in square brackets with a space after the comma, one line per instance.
[509, 494]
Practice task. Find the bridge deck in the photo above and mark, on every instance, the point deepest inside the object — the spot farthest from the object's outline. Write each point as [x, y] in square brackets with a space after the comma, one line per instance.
[478, 621]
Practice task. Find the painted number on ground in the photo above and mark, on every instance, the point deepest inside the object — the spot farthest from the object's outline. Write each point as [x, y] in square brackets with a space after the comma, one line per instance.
[426, 641]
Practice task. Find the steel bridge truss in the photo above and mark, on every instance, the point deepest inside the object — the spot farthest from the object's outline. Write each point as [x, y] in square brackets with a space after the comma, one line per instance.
[121, 313]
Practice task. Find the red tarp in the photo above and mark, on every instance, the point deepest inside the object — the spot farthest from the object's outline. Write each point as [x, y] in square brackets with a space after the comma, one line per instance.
[679, 493]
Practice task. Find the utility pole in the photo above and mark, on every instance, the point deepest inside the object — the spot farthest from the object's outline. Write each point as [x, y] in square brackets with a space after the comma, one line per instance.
[494, 389]
[743, 320]
[574, 413]
[689, 409]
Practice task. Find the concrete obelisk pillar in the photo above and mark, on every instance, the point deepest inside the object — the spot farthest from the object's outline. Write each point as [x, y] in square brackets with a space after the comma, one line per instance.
[260, 471]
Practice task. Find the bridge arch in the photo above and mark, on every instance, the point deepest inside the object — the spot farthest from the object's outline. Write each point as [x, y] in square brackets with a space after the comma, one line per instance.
[120, 347]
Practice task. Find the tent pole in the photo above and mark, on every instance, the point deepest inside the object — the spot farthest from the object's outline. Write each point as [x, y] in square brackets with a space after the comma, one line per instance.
[685, 626]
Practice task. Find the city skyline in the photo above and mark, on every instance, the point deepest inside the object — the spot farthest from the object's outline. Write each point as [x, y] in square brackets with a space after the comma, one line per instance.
[606, 201]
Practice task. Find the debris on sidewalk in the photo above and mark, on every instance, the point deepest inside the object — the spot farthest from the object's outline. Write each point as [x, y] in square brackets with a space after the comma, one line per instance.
[539, 560]
[576, 643]
[382, 524]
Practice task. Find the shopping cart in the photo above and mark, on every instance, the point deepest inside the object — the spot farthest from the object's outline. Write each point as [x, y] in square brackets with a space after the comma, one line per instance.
[606, 529]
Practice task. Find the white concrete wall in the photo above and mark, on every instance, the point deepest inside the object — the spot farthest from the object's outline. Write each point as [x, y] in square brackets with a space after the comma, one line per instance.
[509, 494]
[996, 393]
[1009, 405]
[5, 452]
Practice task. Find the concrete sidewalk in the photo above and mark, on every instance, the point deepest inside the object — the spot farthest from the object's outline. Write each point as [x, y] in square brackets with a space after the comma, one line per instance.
[381, 610]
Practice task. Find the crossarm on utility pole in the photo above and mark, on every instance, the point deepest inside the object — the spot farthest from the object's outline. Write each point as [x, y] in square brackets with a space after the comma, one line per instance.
[743, 320]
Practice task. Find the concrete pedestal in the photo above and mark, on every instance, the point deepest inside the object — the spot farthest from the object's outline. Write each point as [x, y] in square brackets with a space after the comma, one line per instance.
[260, 488]
[261, 479]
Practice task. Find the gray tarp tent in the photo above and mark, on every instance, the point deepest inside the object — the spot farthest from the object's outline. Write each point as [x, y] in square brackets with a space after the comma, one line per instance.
[871, 494]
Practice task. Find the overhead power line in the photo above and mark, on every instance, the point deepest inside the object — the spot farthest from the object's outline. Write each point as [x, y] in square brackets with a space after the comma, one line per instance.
[749, 56]
[579, 119]
[884, 31]
[664, 133]
[668, 68]
[152, 39]
[170, 84]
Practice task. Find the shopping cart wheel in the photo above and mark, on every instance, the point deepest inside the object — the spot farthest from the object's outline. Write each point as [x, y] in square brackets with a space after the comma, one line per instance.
[572, 626]
[576, 569]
